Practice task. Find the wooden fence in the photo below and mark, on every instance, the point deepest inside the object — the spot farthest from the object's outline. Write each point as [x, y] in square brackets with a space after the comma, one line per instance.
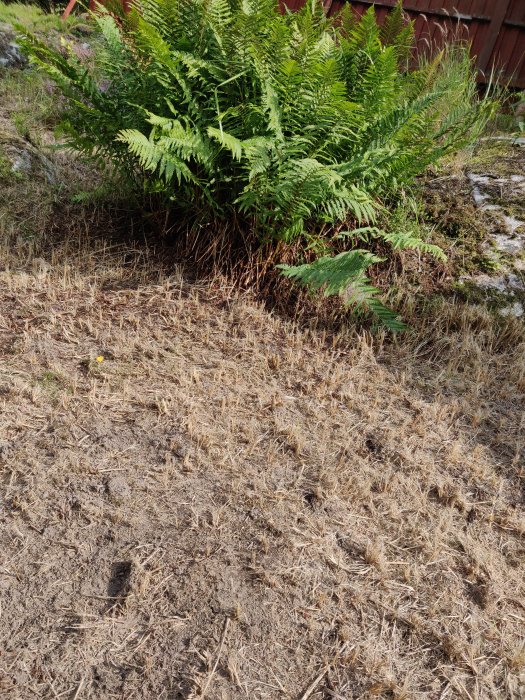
[495, 28]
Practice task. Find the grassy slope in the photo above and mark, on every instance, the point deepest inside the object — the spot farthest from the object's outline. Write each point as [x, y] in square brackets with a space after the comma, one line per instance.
[232, 504]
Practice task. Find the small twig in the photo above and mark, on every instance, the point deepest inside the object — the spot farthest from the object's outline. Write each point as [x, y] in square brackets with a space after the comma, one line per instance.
[313, 685]
[219, 652]
[80, 686]
[50, 682]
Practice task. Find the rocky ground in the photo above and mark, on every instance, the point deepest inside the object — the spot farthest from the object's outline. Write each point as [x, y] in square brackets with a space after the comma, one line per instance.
[478, 209]
[499, 191]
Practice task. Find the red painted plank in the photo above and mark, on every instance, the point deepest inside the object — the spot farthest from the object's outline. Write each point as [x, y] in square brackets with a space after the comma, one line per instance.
[71, 4]
[478, 29]
[516, 12]
[517, 60]
[435, 27]
[503, 49]
[486, 56]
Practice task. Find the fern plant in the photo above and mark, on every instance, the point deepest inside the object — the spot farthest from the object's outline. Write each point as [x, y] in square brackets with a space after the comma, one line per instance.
[293, 123]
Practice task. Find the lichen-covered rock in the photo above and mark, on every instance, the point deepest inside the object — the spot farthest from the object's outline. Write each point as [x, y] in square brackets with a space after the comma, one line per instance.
[10, 54]
[515, 309]
[23, 159]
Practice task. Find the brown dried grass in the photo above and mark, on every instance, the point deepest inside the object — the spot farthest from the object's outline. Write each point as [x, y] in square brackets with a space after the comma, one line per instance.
[235, 505]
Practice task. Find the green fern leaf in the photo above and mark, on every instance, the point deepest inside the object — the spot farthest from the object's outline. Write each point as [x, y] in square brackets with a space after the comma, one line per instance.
[344, 275]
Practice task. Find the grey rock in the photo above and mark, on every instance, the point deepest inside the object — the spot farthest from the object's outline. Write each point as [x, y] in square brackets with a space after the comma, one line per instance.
[11, 55]
[507, 244]
[507, 282]
[515, 310]
[21, 162]
[479, 197]
[515, 282]
[513, 224]
[25, 159]
[498, 283]
[478, 179]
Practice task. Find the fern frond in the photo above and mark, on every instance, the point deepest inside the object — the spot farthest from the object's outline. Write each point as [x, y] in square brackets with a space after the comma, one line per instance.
[146, 151]
[398, 33]
[332, 275]
[345, 275]
[227, 141]
[405, 241]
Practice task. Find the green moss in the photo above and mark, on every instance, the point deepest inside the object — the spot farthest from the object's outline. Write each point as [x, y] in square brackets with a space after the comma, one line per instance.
[512, 207]
[53, 382]
[497, 158]
[492, 298]
[6, 169]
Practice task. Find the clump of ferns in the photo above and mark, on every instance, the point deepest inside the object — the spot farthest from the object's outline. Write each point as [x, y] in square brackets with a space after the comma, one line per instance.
[292, 124]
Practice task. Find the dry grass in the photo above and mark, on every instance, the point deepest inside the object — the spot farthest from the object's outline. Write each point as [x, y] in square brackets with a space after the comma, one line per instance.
[232, 506]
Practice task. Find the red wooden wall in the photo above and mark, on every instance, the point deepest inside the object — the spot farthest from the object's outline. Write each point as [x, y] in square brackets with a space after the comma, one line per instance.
[495, 28]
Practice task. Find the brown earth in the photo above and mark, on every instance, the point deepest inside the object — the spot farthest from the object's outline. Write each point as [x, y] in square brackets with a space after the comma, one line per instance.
[230, 506]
